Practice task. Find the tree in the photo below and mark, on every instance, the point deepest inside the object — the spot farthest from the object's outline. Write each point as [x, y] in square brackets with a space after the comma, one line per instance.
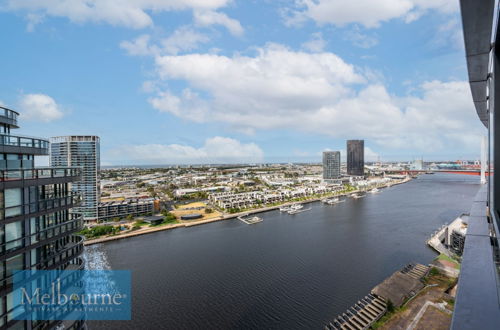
[130, 217]
[390, 306]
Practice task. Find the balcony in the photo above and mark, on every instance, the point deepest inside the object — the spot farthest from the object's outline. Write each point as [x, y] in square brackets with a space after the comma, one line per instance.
[13, 178]
[43, 236]
[8, 117]
[23, 144]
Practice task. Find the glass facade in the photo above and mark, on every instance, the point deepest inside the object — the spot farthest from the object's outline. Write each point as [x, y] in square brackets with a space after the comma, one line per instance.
[331, 165]
[37, 226]
[356, 157]
[83, 152]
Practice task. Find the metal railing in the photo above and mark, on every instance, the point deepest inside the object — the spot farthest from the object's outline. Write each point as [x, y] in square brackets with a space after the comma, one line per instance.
[48, 203]
[42, 235]
[9, 114]
[23, 141]
[39, 173]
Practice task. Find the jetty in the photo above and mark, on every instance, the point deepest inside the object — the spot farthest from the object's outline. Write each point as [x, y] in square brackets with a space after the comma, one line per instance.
[250, 220]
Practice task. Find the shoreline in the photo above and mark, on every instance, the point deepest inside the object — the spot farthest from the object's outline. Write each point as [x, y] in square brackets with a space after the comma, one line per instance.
[219, 218]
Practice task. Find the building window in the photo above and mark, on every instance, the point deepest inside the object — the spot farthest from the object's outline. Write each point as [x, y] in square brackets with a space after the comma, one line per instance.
[12, 202]
[13, 264]
[13, 233]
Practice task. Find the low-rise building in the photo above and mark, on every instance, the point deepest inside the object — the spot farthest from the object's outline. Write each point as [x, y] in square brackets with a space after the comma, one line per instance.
[228, 200]
[121, 209]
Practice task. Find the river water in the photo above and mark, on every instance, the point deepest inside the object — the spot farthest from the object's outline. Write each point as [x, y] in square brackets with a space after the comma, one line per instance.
[287, 272]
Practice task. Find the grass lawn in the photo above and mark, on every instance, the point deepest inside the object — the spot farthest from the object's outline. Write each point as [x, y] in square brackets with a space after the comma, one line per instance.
[446, 258]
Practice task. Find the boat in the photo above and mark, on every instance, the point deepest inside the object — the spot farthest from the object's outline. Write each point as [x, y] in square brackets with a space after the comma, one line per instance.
[333, 201]
[284, 208]
[375, 190]
[356, 196]
[298, 210]
[296, 207]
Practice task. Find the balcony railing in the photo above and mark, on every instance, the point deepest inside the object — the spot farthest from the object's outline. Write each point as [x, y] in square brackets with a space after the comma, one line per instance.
[23, 141]
[39, 173]
[44, 234]
[8, 116]
[46, 204]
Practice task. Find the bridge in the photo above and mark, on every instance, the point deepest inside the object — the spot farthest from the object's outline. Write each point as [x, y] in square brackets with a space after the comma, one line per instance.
[466, 172]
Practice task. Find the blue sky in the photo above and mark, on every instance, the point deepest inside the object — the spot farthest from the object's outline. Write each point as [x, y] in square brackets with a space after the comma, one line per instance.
[210, 81]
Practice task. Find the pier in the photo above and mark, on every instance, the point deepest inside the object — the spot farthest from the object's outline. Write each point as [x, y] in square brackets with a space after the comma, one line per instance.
[250, 220]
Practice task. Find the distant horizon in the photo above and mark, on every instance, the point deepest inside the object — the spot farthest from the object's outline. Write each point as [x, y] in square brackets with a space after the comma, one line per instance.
[264, 163]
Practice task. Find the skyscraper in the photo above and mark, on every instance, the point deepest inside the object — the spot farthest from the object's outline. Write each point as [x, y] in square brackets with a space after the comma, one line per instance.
[356, 157]
[37, 227]
[81, 151]
[331, 165]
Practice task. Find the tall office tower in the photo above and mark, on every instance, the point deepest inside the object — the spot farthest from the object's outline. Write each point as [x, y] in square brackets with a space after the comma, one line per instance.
[356, 157]
[331, 165]
[37, 225]
[81, 151]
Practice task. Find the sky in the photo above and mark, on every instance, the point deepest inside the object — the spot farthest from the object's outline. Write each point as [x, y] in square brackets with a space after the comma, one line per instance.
[241, 81]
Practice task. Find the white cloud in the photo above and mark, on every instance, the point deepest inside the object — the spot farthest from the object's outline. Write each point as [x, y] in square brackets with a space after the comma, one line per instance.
[360, 39]
[140, 46]
[316, 44]
[128, 13]
[210, 17]
[182, 39]
[365, 12]
[448, 35]
[188, 105]
[39, 107]
[214, 150]
[318, 93]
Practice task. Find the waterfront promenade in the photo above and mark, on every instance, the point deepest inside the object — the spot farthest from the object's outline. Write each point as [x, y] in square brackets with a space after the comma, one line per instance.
[225, 216]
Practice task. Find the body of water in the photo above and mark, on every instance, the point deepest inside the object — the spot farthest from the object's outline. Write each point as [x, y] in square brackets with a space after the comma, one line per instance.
[287, 272]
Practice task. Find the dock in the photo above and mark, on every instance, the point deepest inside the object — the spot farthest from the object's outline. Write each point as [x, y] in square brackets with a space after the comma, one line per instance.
[250, 220]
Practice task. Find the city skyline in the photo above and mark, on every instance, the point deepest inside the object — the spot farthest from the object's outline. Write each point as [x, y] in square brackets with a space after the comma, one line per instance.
[345, 75]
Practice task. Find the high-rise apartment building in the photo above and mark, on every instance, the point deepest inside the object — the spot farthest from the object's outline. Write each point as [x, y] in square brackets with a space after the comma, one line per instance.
[331, 165]
[80, 151]
[37, 225]
[356, 157]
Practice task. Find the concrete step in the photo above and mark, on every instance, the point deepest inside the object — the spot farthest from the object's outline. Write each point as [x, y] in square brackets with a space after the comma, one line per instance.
[370, 311]
[358, 322]
[413, 275]
[418, 271]
[363, 318]
[375, 309]
[420, 266]
[347, 325]
[367, 316]
[353, 320]
[379, 303]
